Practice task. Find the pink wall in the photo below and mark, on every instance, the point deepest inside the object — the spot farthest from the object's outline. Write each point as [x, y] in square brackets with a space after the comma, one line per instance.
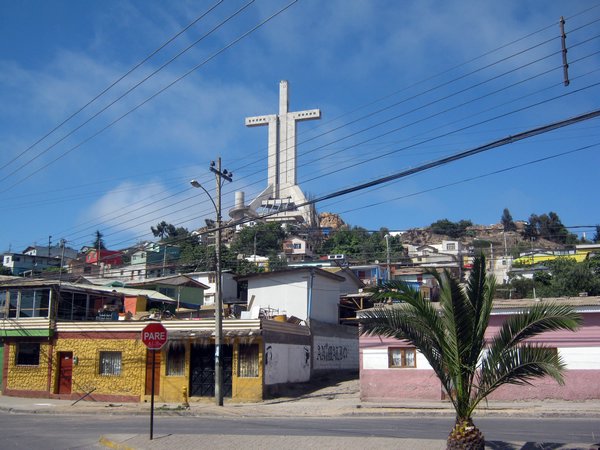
[411, 384]
[588, 334]
[393, 385]
[579, 385]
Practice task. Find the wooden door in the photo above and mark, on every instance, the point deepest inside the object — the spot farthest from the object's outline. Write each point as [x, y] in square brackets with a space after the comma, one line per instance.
[65, 372]
[149, 372]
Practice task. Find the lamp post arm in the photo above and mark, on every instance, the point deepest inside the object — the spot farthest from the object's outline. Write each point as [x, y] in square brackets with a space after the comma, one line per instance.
[196, 184]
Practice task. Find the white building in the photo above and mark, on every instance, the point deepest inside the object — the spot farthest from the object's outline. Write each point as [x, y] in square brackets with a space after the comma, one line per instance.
[310, 295]
[229, 286]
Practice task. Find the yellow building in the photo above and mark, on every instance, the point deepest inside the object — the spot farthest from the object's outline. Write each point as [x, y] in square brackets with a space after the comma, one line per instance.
[107, 361]
[70, 341]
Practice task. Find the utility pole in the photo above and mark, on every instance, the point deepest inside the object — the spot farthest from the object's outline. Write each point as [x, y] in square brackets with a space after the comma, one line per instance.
[387, 245]
[219, 176]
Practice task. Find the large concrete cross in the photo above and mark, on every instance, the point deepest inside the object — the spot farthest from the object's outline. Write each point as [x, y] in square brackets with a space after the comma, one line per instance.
[282, 141]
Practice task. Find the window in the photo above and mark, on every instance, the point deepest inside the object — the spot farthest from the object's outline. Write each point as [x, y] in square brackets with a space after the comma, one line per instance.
[169, 292]
[13, 303]
[402, 357]
[297, 246]
[212, 278]
[28, 354]
[34, 303]
[451, 246]
[3, 303]
[248, 360]
[110, 363]
[176, 361]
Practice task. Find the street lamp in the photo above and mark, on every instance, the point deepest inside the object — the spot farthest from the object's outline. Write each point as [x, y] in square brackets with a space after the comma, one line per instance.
[220, 176]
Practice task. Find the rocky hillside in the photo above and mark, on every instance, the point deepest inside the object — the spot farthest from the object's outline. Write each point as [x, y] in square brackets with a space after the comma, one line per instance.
[480, 236]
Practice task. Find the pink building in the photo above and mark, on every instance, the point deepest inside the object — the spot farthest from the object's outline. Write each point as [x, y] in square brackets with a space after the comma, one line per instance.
[392, 370]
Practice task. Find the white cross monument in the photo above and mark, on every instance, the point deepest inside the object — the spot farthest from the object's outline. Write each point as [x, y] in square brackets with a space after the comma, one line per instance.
[282, 193]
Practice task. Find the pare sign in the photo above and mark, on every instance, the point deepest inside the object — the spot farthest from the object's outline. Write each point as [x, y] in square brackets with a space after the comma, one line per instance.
[154, 336]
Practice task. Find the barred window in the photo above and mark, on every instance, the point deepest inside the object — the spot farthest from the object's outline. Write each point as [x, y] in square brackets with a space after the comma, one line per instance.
[402, 357]
[248, 360]
[176, 361]
[28, 354]
[110, 363]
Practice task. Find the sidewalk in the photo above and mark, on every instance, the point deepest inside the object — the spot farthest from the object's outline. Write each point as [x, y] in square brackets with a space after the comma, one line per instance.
[317, 404]
[337, 405]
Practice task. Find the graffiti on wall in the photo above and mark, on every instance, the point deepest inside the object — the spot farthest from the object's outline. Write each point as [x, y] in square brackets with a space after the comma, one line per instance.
[326, 352]
[334, 353]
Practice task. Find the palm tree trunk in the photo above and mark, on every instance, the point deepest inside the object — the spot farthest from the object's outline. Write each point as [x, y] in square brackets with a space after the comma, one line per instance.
[465, 436]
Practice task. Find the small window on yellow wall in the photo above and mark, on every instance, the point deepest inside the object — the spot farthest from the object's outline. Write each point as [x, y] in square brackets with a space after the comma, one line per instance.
[402, 357]
[110, 363]
[28, 354]
[248, 360]
[176, 361]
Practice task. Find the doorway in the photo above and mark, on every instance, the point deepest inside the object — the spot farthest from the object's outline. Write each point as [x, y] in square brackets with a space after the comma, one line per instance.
[156, 372]
[65, 372]
[202, 370]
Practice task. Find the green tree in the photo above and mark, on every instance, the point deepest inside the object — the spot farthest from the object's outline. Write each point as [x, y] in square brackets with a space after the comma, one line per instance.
[98, 241]
[266, 238]
[549, 227]
[568, 278]
[360, 245]
[507, 221]
[168, 232]
[452, 338]
[451, 229]
[276, 263]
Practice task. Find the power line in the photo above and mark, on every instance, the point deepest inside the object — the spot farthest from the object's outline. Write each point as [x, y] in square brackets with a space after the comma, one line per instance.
[127, 92]
[114, 83]
[160, 91]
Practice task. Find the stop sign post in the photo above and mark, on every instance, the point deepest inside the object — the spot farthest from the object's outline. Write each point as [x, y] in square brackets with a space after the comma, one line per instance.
[154, 336]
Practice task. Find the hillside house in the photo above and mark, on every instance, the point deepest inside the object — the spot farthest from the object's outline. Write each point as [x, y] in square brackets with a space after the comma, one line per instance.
[297, 249]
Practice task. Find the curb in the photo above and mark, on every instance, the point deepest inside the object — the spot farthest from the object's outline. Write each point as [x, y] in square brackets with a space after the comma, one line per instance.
[109, 443]
[350, 411]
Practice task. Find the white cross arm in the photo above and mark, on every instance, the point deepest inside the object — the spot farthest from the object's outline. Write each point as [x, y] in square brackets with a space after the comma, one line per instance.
[260, 120]
[306, 115]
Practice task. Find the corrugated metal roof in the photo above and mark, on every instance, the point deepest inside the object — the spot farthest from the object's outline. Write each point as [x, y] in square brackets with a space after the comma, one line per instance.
[508, 306]
[40, 283]
[173, 280]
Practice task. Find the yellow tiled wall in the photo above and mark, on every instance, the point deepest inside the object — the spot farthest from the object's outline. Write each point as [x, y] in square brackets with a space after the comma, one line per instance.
[27, 378]
[86, 370]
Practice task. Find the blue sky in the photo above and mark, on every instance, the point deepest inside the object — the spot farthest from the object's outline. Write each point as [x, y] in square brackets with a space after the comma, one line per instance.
[399, 84]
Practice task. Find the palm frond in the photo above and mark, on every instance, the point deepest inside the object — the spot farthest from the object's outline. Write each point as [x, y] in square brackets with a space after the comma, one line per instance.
[518, 366]
[418, 322]
[540, 318]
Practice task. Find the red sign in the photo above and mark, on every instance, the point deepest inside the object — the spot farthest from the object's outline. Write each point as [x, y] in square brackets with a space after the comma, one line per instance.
[154, 336]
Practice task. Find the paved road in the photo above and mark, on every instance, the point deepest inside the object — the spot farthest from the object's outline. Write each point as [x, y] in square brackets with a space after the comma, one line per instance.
[26, 431]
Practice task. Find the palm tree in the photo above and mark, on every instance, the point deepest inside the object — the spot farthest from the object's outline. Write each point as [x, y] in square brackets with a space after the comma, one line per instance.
[98, 243]
[452, 338]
